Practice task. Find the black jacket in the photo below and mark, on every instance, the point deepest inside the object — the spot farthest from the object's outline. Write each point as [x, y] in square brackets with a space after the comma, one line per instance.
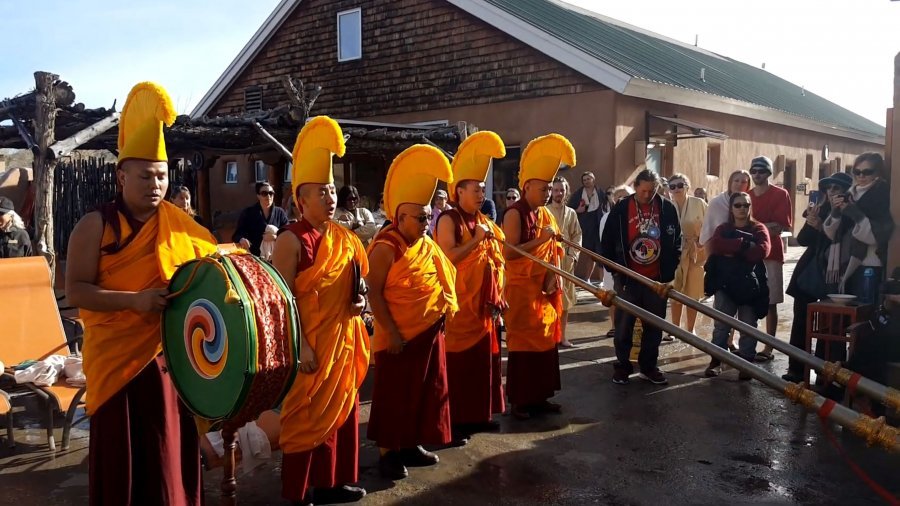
[589, 220]
[15, 243]
[816, 244]
[614, 242]
[252, 223]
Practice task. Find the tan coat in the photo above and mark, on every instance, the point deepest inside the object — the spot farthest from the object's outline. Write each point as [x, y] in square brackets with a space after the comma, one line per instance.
[570, 229]
[689, 279]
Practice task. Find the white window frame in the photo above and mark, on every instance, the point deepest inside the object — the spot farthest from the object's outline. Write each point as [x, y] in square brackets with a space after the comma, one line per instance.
[260, 165]
[357, 11]
[289, 173]
[228, 167]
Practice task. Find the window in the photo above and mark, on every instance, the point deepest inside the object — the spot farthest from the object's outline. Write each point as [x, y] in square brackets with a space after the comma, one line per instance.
[349, 35]
[810, 172]
[288, 172]
[261, 171]
[231, 173]
[714, 160]
[253, 99]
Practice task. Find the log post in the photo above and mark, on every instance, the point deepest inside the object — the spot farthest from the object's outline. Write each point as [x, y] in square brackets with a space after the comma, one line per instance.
[229, 482]
[44, 165]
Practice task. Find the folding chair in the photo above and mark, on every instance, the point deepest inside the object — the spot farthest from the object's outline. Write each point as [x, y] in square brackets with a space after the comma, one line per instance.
[33, 330]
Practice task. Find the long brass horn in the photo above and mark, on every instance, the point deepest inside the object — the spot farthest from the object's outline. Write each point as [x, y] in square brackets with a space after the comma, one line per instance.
[874, 431]
[831, 371]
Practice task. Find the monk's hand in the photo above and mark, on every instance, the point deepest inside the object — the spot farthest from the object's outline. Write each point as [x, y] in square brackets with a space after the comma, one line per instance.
[482, 232]
[547, 233]
[152, 300]
[357, 306]
[244, 243]
[551, 283]
[308, 364]
[395, 343]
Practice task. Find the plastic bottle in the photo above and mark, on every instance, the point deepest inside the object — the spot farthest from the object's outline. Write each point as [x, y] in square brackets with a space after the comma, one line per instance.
[868, 291]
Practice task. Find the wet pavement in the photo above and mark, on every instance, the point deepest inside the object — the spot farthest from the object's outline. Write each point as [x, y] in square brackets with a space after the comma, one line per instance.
[695, 441]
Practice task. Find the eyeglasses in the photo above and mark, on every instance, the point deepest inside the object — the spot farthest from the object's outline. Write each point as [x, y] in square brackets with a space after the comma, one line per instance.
[673, 186]
[755, 171]
[864, 172]
[267, 194]
[741, 206]
[422, 218]
[511, 197]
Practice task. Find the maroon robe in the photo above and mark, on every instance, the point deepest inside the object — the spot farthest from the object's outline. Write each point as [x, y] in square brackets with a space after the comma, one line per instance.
[144, 447]
[410, 401]
[476, 390]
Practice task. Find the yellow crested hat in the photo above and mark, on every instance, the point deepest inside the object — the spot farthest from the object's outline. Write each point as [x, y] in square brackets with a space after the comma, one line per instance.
[318, 141]
[543, 156]
[413, 177]
[147, 108]
[473, 158]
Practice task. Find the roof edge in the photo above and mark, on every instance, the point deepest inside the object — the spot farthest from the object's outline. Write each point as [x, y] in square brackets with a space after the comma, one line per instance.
[245, 56]
[660, 92]
[546, 43]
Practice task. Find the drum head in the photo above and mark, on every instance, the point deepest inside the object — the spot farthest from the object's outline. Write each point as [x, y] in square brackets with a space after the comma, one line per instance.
[207, 342]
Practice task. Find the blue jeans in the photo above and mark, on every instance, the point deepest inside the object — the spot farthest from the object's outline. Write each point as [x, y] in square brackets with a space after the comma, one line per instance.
[747, 344]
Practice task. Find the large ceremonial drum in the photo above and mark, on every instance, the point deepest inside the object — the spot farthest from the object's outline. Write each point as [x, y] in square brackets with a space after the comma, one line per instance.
[231, 336]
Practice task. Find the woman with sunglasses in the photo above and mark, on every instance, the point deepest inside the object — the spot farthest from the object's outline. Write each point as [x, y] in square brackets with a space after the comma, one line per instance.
[737, 276]
[689, 278]
[253, 220]
[859, 227]
[350, 215]
[378, 214]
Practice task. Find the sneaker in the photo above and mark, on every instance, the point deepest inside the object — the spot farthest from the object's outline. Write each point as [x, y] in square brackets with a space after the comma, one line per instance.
[656, 377]
[338, 495]
[668, 338]
[391, 467]
[418, 457]
[620, 377]
[713, 369]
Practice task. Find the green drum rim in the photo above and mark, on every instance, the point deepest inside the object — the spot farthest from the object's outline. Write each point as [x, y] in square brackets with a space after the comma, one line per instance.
[206, 341]
[294, 332]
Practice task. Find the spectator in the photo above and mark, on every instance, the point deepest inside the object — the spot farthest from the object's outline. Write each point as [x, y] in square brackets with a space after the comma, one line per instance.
[772, 208]
[860, 226]
[14, 240]
[567, 220]
[736, 274]
[691, 213]
[617, 194]
[664, 188]
[489, 209]
[700, 193]
[717, 213]
[351, 216]
[181, 197]
[590, 206]
[512, 195]
[439, 204]
[807, 284]
[643, 234]
[253, 220]
[379, 214]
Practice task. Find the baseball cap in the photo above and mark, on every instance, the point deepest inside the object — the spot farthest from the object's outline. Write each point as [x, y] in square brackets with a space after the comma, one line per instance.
[6, 205]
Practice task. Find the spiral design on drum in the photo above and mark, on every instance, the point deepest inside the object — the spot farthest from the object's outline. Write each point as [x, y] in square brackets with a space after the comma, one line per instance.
[205, 338]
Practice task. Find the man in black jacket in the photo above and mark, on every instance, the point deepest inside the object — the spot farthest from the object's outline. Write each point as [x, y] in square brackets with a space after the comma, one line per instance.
[253, 220]
[642, 233]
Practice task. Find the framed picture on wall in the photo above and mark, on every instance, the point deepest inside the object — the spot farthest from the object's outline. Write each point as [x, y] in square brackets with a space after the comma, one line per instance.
[261, 170]
[231, 173]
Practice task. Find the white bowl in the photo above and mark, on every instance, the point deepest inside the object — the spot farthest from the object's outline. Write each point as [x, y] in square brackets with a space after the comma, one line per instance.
[840, 298]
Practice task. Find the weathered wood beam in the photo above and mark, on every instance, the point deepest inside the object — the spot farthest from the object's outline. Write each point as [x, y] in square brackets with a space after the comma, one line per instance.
[64, 147]
[272, 140]
[63, 96]
[23, 133]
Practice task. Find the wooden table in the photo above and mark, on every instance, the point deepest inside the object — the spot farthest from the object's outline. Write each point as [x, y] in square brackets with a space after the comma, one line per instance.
[827, 321]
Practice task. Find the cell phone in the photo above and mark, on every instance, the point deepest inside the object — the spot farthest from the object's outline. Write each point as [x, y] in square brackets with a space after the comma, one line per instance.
[815, 198]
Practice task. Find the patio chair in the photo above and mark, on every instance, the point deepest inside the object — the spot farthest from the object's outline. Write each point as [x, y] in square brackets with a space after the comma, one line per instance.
[32, 329]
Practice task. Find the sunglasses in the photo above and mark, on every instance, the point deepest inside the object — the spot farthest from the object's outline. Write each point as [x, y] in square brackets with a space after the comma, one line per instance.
[510, 197]
[267, 194]
[741, 206]
[673, 186]
[864, 172]
[760, 171]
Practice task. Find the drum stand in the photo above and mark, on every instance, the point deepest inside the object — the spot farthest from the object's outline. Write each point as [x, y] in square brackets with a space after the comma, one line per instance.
[229, 482]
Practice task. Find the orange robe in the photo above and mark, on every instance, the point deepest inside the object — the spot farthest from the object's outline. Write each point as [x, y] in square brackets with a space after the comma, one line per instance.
[409, 401]
[532, 320]
[473, 350]
[141, 435]
[117, 345]
[319, 403]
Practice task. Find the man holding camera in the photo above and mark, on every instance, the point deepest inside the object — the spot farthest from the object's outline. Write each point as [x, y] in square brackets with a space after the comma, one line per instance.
[771, 207]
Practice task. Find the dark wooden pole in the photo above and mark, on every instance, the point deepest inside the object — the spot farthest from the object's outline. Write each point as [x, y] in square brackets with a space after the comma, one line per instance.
[44, 164]
[229, 482]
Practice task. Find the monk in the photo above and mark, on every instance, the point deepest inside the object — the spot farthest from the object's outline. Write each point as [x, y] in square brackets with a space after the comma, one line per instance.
[411, 293]
[143, 442]
[467, 238]
[533, 292]
[320, 415]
